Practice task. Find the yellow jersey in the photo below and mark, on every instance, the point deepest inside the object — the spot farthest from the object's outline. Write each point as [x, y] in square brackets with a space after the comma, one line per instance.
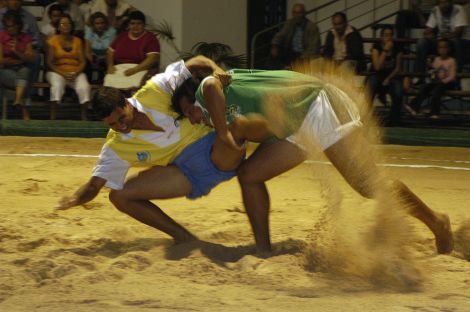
[148, 147]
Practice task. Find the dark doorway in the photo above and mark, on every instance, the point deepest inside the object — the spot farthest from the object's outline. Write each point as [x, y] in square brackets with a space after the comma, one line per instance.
[261, 15]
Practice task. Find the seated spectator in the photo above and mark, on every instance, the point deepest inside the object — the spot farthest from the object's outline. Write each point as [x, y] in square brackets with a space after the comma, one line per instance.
[137, 48]
[116, 10]
[414, 17]
[98, 38]
[443, 75]
[66, 63]
[448, 21]
[386, 64]
[299, 38]
[344, 44]
[16, 51]
[72, 10]
[30, 27]
[54, 12]
[85, 9]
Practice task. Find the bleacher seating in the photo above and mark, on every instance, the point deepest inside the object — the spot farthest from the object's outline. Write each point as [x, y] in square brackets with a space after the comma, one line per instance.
[461, 97]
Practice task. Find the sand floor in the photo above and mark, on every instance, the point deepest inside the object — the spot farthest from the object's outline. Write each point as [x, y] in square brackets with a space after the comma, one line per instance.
[94, 258]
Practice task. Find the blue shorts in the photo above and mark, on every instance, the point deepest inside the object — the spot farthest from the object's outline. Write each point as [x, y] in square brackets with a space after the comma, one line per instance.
[195, 163]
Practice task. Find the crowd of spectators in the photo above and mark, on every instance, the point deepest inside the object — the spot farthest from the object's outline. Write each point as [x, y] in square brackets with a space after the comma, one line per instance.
[445, 40]
[75, 44]
[107, 42]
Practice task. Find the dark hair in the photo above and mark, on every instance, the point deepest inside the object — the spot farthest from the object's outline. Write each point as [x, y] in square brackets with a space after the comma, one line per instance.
[97, 15]
[342, 15]
[55, 7]
[188, 90]
[136, 15]
[106, 100]
[65, 15]
[444, 40]
[450, 45]
[15, 16]
[385, 27]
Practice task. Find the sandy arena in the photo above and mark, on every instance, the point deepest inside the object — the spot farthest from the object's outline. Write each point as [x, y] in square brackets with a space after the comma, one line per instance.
[326, 257]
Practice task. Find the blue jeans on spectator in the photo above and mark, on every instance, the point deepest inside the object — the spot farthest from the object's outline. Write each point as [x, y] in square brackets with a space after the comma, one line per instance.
[14, 76]
[35, 68]
[394, 88]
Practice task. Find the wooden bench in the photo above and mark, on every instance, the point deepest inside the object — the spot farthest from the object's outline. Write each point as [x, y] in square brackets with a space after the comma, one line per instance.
[6, 93]
[463, 96]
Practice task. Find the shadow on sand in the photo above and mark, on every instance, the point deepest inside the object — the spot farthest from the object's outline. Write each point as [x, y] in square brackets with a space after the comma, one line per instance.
[219, 253]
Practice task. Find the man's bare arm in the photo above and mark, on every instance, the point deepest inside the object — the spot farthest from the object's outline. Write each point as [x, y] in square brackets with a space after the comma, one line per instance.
[202, 66]
[83, 195]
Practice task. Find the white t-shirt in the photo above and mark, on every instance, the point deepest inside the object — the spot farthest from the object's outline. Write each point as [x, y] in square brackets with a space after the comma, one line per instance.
[48, 30]
[445, 25]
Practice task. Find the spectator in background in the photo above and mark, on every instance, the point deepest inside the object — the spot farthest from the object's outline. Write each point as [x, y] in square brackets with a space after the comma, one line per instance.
[72, 10]
[448, 21]
[344, 44]
[386, 64]
[414, 17]
[299, 38]
[443, 74]
[136, 47]
[98, 38]
[54, 12]
[116, 10]
[16, 51]
[30, 25]
[85, 9]
[66, 63]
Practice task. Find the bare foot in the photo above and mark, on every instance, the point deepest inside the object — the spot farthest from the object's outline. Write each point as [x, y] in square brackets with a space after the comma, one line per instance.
[444, 237]
[186, 238]
[181, 249]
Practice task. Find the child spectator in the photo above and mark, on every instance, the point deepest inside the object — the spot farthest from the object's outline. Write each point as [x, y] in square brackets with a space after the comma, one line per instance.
[386, 64]
[16, 51]
[54, 12]
[98, 38]
[66, 63]
[443, 74]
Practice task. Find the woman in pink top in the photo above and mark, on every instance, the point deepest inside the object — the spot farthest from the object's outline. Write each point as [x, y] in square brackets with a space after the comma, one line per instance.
[16, 51]
[66, 62]
[135, 46]
[443, 74]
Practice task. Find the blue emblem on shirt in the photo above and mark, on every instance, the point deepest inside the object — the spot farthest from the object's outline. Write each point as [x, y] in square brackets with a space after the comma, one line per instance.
[143, 156]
